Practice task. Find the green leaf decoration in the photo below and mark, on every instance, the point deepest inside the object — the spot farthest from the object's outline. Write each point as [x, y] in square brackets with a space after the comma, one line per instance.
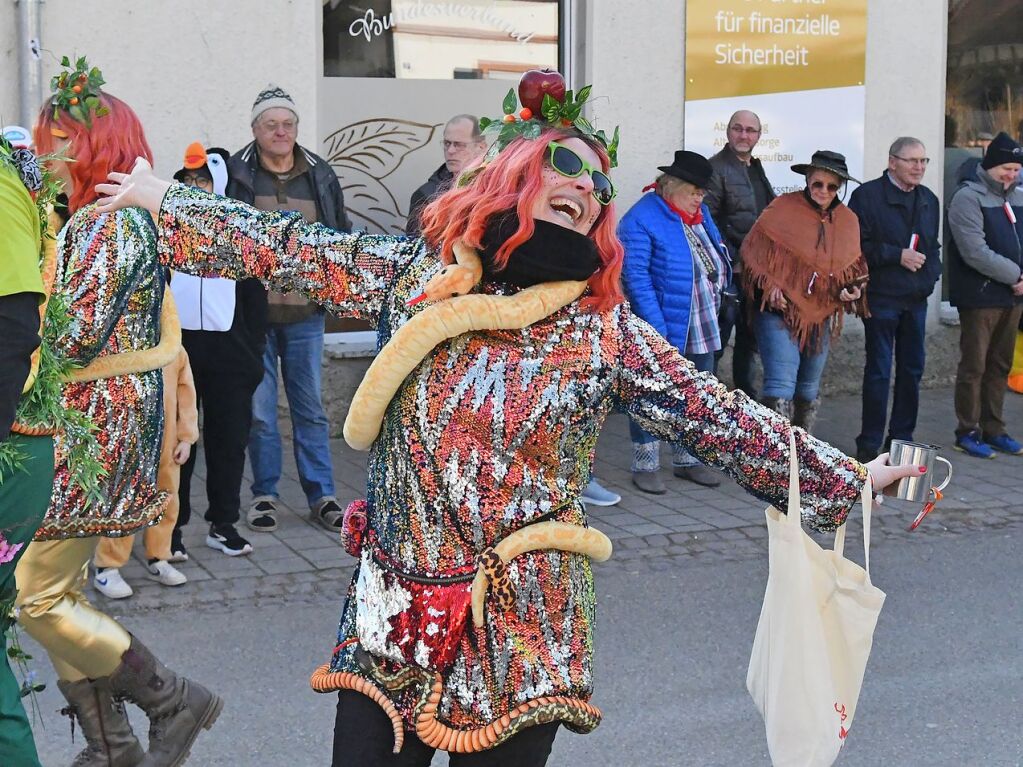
[510, 102]
[509, 132]
[584, 93]
[532, 129]
[65, 61]
[485, 123]
[584, 125]
[102, 111]
[550, 108]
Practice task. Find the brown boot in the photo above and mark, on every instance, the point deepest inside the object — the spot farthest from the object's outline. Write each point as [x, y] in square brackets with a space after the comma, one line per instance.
[109, 739]
[804, 413]
[778, 405]
[177, 707]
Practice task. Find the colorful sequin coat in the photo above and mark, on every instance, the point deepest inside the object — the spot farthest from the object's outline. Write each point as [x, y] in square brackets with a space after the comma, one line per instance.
[494, 431]
[107, 265]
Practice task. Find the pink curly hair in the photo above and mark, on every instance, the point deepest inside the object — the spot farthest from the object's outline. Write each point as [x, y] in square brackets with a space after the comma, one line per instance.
[514, 181]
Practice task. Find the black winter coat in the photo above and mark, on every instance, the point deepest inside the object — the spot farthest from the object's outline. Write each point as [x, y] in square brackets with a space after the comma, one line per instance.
[889, 218]
[730, 198]
[438, 182]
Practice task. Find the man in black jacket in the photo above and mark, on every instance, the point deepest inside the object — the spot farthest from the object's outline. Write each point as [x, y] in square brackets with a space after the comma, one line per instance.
[738, 193]
[463, 145]
[899, 236]
[275, 173]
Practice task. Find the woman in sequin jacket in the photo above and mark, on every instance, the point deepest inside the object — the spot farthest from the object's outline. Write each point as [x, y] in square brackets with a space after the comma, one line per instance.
[122, 334]
[489, 436]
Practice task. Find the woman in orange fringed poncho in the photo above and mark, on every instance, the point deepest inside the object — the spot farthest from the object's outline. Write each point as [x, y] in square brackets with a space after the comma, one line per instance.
[803, 266]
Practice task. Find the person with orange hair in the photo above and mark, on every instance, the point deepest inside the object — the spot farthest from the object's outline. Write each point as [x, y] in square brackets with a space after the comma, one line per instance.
[505, 342]
[124, 331]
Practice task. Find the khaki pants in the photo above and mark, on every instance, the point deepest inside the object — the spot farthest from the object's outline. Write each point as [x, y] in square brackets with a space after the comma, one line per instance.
[81, 641]
[986, 346]
[115, 552]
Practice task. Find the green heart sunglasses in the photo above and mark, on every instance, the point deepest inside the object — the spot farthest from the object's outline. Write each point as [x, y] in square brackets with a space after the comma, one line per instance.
[569, 164]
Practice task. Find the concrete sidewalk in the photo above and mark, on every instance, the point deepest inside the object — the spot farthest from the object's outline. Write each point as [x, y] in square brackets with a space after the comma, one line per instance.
[301, 558]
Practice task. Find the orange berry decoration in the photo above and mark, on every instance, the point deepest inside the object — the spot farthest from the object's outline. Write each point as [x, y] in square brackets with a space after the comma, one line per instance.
[509, 118]
[74, 100]
[526, 113]
[82, 77]
[76, 88]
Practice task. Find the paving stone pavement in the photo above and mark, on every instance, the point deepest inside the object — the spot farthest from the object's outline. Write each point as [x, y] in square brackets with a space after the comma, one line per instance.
[301, 560]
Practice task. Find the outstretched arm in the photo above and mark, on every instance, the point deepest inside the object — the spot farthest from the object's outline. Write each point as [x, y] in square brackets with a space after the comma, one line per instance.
[204, 234]
[725, 429]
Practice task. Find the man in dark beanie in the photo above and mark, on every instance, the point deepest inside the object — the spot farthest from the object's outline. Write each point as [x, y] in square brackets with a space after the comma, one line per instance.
[985, 218]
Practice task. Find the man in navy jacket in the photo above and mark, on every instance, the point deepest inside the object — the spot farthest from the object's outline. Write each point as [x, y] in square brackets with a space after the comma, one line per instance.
[899, 235]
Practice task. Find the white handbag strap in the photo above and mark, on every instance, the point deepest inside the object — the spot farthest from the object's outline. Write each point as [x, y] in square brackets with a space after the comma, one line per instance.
[866, 500]
[795, 509]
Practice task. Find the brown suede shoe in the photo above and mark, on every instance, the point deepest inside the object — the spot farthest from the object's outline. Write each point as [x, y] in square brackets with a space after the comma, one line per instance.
[699, 474]
[649, 482]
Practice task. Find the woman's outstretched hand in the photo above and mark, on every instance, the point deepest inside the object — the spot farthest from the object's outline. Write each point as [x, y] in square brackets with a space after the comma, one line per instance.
[138, 189]
[885, 477]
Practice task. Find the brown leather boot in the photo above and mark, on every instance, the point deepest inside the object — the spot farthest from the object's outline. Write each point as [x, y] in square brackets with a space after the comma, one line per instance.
[177, 708]
[109, 739]
[804, 413]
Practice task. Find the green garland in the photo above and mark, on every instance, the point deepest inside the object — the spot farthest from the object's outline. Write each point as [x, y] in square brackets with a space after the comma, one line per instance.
[565, 113]
[42, 406]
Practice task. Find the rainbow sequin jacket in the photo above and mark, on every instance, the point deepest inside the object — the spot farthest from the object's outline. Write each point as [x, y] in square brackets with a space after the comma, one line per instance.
[107, 265]
[493, 431]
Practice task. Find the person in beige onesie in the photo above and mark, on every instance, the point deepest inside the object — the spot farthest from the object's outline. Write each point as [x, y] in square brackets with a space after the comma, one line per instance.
[181, 430]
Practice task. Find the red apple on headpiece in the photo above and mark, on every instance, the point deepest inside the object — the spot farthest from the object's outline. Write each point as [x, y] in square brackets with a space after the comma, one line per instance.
[538, 82]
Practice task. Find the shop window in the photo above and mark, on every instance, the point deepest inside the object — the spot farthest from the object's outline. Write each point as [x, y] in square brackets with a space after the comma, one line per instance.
[441, 39]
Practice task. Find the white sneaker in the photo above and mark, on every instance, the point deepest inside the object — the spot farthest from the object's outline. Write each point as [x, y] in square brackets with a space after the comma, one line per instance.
[110, 584]
[165, 573]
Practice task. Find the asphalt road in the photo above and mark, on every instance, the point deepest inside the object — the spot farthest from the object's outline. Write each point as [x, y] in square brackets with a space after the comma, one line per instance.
[944, 687]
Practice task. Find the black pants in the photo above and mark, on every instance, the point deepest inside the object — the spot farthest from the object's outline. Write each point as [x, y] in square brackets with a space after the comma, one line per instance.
[363, 738]
[745, 350]
[226, 404]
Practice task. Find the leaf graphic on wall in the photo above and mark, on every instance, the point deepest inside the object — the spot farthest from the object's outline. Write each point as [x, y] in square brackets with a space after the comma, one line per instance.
[363, 155]
[369, 202]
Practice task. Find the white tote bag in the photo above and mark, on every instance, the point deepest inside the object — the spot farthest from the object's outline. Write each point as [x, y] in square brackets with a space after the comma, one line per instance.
[814, 637]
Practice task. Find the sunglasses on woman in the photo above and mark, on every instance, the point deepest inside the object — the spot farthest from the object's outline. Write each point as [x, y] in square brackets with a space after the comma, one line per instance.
[818, 185]
[568, 163]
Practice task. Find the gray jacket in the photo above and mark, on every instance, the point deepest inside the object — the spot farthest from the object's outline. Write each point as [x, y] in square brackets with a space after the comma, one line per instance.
[986, 252]
[730, 198]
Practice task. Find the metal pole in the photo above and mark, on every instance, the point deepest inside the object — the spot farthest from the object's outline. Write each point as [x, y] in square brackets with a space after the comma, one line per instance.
[30, 65]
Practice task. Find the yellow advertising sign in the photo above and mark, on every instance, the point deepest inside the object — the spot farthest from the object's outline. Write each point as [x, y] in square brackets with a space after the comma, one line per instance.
[747, 47]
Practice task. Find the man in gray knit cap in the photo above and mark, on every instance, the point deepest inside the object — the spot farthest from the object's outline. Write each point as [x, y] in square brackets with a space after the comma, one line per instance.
[274, 172]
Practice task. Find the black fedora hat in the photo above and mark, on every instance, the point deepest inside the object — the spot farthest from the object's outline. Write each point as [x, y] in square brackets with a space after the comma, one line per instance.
[823, 159]
[691, 167]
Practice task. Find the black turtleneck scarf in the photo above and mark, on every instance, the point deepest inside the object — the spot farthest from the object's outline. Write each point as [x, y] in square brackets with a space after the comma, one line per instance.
[552, 254]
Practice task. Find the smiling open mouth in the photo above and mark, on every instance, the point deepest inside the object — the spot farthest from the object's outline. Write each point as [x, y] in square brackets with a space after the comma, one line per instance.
[569, 209]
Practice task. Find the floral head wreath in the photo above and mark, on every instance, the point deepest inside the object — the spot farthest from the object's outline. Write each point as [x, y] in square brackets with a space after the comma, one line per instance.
[545, 104]
[77, 91]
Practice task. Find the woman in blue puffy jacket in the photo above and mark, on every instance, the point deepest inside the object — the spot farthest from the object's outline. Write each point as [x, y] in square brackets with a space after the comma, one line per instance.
[676, 267]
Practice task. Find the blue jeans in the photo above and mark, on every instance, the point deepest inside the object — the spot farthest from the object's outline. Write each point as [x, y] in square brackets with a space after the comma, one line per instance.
[299, 346]
[646, 448]
[788, 372]
[888, 333]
